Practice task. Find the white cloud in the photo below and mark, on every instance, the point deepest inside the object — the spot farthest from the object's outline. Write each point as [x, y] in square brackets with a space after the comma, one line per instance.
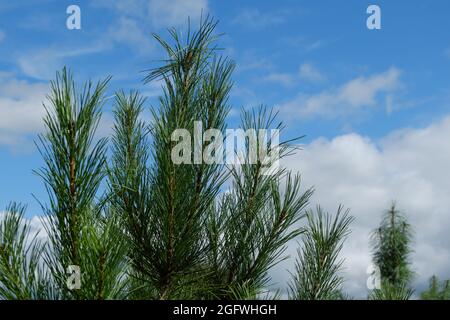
[354, 95]
[284, 79]
[21, 109]
[22, 112]
[408, 166]
[37, 229]
[309, 73]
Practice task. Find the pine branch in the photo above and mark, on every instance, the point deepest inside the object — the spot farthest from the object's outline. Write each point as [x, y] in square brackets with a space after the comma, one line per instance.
[318, 264]
[252, 223]
[167, 225]
[79, 231]
[129, 186]
[389, 291]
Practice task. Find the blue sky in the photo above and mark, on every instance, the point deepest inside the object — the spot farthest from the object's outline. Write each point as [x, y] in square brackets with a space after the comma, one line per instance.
[359, 93]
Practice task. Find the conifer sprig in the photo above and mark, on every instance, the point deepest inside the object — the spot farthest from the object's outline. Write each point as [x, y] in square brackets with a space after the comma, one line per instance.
[318, 265]
[80, 233]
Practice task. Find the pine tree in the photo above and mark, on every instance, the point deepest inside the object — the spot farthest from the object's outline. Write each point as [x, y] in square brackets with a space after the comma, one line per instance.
[437, 290]
[163, 230]
[391, 243]
[167, 225]
[318, 263]
[186, 243]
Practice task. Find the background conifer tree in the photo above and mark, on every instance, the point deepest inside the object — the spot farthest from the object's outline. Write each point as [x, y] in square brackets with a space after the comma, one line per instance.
[391, 243]
[437, 290]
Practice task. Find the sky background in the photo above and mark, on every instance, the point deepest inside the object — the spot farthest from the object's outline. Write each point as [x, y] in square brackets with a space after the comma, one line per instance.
[374, 104]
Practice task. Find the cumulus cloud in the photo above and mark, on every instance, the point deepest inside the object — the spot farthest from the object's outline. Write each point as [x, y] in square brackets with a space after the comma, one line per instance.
[21, 109]
[37, 230]
[407, 166]
[352, 96]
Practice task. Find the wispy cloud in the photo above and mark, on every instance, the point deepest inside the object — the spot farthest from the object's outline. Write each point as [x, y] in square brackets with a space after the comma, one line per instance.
[306, 44]
[172, 13]
[447, 52]
[132, 28]
[256, 19]
[307, 72]
[42, 64]
[129, 32]
[310, 73]
[315, 45]
[284, 79]
[159, 13]
[250, 61]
